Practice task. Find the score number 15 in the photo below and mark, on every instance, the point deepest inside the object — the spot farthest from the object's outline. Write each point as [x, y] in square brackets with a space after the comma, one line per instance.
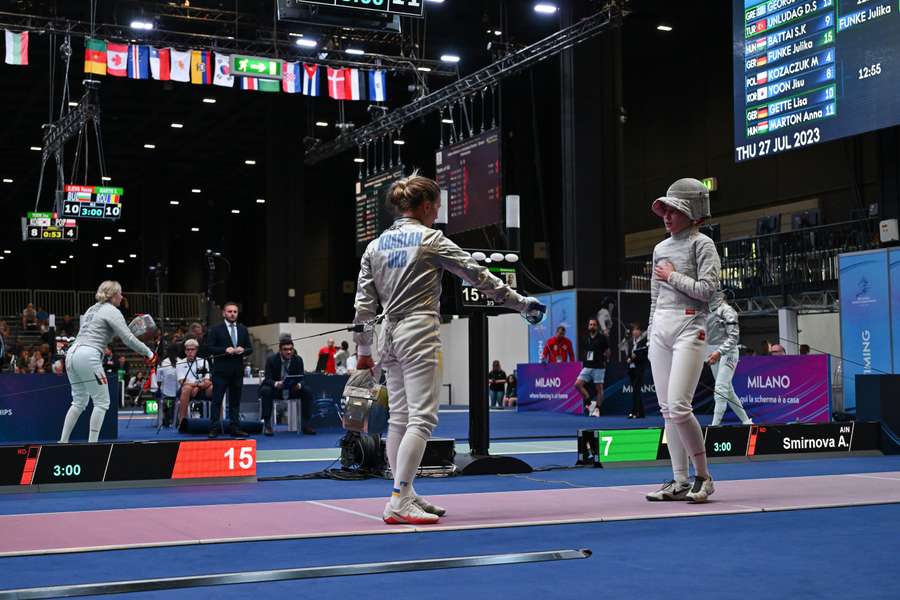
[245, 458]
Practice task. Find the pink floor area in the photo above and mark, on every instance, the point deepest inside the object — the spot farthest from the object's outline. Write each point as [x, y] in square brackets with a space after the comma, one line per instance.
[146, 527]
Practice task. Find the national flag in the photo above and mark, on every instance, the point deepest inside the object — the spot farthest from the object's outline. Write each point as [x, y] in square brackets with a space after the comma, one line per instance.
[356, 84]
[762, 77]
[181, 65]
[223, 75]
[762, 113]
[311, 80]
[201, 67]
[291, 78]
[139, 62]
[159, 64]
[336, 84]
[377, 86]
[94, 56]
[117, 59]
[16, 48]
[763, 127]
[259, 85]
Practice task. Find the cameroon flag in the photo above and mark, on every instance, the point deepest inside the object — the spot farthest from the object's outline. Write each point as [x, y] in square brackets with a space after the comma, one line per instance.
[95, 56]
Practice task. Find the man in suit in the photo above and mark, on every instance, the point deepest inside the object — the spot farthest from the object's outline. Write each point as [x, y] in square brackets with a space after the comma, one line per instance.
[227, 344]
[285, 362]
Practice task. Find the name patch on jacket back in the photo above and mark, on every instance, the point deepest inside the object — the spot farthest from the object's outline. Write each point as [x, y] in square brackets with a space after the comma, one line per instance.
[398, 243]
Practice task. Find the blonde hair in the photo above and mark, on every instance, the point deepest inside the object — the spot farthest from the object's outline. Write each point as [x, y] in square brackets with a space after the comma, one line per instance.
[192, 344]
[107, 290]
[410, 192]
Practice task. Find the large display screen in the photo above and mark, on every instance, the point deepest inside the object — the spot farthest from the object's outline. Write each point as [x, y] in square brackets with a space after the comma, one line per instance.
[372, 214]
[470, 173]
[407, 8]
[93, 202]
[812, 71]
[46, 226]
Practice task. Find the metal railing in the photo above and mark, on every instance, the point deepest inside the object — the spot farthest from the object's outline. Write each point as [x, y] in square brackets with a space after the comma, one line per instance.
[777, 264]
[177, 306]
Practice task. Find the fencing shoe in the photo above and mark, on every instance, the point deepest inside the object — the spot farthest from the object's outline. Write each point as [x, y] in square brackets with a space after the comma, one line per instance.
[671, 490]
[428, 506]
[702, 489]
[408, 513]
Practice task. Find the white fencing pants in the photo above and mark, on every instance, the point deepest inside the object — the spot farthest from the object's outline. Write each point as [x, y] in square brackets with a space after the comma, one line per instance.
[725, 395]
[412, 359]
[84, 367]
[677, 352]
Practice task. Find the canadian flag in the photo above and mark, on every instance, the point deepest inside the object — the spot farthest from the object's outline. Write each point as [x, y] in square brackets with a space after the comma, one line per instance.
[117, 59]
[336, 87]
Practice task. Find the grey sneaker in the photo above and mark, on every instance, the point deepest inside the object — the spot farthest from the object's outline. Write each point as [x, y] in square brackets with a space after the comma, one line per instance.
[408, 513]
[671, 490]
[429, 507]
[702, 489]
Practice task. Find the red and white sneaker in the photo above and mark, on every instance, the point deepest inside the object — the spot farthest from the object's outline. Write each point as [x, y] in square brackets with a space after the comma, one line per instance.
[429, 507]
[409, 513]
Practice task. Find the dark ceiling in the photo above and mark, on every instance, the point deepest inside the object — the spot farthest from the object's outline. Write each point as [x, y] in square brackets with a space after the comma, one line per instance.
[208, 153]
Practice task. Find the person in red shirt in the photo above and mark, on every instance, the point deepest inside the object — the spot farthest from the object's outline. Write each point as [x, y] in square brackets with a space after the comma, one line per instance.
[558, 348]
[330, 350]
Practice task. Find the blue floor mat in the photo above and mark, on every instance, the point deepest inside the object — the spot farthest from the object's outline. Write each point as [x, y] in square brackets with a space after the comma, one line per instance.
[846, 552]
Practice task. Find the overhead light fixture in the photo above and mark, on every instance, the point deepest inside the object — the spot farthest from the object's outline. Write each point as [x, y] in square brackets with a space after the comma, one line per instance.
[2, 258]
[63, 262]
[359, 160]
[35, 148]
[249, 161]
[71, 257]
[545, 8]
[95, 245]
[52, 266]
[132, 256]
[435, 1]
[73, 104]
[195, 190]
[150, 146]
[209, 100]
[107, 238]
[260, 200]
[7, 180]
[664, 27]
[399, 142]
[144, 25]
[235, 211]
[355, 51]
[174, 202]
[321, 124]
[109, 266]
[7, 252]
[177, 126]
[121, 261]
[105, 178]
[122, 230]
[424, 69]
[307, 43]
[449, 58]
[447, 121]
[498, 32]
[195, 229]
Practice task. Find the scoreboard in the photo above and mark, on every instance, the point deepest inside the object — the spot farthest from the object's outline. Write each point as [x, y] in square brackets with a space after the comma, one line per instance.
[811, 71]
[406, 8]
[500, 265]
[46, 226]
[43, 464]
[93, 202]
[372, 214]
[470, 173]
[632, 445]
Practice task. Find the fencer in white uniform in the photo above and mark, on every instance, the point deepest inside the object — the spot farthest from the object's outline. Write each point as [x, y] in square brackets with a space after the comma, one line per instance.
[685, 276]
[84, 361]
[722, 335]
[401, 271]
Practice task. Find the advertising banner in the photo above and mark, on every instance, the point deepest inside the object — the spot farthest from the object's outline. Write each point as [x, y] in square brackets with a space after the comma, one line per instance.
[549, 387]
[865, 317]
[784, 389]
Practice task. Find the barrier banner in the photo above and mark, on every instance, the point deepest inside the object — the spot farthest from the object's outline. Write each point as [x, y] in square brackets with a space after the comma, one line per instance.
[784, 389]
[549, 387]
[865, 314]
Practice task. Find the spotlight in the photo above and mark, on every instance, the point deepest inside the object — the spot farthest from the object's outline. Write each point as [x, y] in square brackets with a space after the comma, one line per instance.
[545, 8]
[664, 27]
[145, 25]
[305, 43]
[355, 51]
[449, 58]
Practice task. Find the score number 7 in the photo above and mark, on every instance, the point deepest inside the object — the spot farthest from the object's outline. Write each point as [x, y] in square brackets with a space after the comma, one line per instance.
[245, 458]
[607, 439]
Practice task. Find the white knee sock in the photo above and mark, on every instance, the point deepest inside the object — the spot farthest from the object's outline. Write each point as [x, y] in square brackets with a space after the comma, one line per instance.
[394, 437]
[692, 438]
[97, 416]
[677, 452]
[69, 423]
[409, 456]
